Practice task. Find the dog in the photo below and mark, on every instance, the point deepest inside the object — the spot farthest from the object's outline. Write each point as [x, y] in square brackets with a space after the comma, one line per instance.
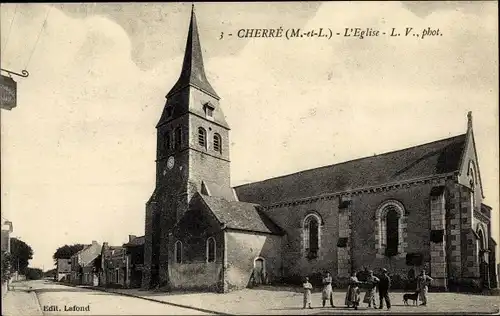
[411, 296]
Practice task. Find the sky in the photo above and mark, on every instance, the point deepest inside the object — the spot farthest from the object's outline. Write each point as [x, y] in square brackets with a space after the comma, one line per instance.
[78, 151]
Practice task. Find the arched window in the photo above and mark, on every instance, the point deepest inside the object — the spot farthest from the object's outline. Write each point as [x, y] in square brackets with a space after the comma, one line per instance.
[482, 243]
[390, 229]
[211, 249]
[392, 235]
[178, 251]
[311, 235]
[217, 143]
[168, 141]
[202, 137]
[178, 138]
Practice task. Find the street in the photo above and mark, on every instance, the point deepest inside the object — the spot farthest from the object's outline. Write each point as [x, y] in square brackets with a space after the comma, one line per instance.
[56, 299]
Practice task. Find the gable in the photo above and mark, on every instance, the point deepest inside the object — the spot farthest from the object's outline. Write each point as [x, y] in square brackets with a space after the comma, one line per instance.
[198, 221]
[469, 161]
[90, 253]
[439, 157]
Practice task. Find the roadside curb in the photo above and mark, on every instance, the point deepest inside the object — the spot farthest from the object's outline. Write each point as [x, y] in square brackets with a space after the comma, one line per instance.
[33, 292]
[147, 299]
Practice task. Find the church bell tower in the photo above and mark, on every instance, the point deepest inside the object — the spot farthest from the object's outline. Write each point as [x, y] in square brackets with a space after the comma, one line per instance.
[192, 155]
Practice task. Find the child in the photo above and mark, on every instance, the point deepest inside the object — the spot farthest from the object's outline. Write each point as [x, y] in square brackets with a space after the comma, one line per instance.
[307, 292]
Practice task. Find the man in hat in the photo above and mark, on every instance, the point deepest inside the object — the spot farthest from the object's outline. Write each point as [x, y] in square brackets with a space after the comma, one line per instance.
[383, 289]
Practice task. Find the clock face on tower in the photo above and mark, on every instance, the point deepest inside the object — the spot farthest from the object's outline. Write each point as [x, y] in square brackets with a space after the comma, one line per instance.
[170, 162]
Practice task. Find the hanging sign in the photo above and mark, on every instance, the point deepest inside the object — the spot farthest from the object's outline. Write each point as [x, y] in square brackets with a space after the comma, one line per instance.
[8, 93]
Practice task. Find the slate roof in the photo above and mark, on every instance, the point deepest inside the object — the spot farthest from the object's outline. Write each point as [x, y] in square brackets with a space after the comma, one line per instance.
[439, 157]
[85, 247]
[215, 189]
[193, 71]
[240, 215]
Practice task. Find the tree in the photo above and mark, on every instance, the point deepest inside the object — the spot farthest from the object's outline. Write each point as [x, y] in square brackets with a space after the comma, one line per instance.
[34, 274]
[21, 254]
[66, 251]
[6, 270]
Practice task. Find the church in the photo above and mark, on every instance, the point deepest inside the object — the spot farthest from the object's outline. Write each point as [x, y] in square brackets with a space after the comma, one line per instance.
[410, 209]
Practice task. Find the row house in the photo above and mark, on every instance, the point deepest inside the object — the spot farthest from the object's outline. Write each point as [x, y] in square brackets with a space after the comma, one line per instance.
[83, 269]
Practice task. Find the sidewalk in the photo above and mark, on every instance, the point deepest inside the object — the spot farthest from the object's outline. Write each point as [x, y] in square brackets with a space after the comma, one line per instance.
[268, 300]
[20, 301]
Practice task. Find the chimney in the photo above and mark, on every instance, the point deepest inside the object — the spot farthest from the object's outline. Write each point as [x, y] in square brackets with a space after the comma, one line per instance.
[131, 237]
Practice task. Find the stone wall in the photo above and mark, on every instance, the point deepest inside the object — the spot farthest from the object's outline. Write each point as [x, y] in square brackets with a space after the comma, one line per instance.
[438, 266]
[290, 218]
[358, 223]
[242, 249]
[414, 235]
[193, 231]
[196, 276]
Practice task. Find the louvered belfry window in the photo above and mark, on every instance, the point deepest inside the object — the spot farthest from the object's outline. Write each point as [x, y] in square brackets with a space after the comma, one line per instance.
[168, 141]
[217, 143]
[202, 137]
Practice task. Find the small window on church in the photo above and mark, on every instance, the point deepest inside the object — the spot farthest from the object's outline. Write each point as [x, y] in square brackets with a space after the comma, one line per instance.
[217, 143]
[178, 138]
[202, 137]
[209, 110]
[178, 251]
[211, 249]
[471, 197]
[210, 113]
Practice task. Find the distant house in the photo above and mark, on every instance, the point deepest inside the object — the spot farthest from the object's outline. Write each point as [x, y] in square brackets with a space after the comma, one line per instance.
[63, 273]
[135, 253]
[114, 266]
[82, 264]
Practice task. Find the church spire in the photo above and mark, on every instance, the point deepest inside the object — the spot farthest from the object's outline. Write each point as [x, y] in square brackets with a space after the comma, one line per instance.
[193, 71]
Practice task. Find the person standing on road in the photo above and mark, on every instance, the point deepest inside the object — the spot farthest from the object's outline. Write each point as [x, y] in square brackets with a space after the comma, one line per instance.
[327, 293]
[383, 289]
[423, 281]
[372, 282]
[307, 292]
[352, 295]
